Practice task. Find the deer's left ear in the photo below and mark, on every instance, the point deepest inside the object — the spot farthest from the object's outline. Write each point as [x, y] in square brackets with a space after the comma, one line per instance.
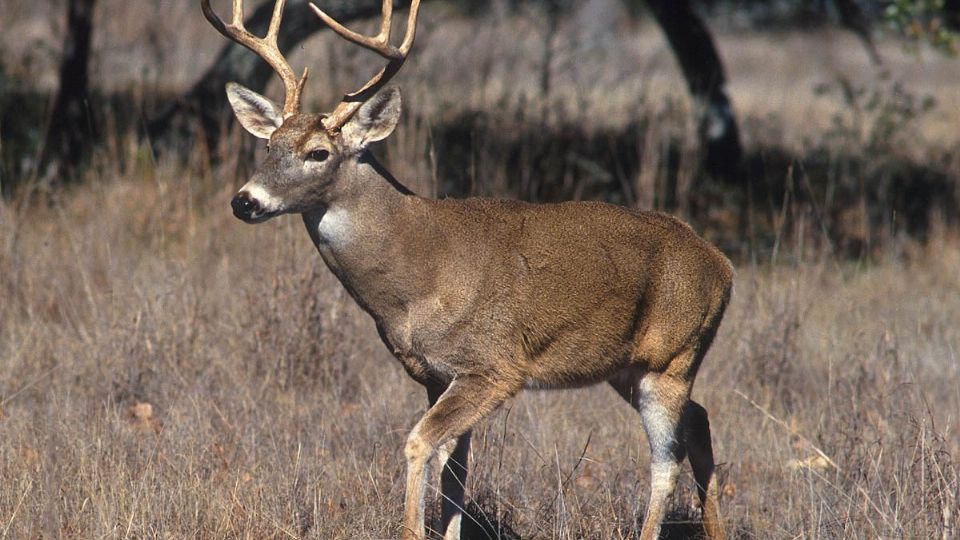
[375, 120]
[257, 114]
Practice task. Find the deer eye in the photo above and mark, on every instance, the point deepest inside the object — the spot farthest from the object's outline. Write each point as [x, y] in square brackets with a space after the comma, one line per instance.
[318, 155]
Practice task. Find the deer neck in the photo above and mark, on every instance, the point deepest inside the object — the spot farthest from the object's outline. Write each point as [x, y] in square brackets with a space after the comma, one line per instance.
[363, 235]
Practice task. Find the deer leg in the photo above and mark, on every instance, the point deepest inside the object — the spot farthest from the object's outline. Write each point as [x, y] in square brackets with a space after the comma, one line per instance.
[700, 452]
[452, 459]
[660, 400]
[464, 403]
[453, 481]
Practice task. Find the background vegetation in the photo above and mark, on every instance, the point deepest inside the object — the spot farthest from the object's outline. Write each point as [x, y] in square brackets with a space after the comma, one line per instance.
[166, 371]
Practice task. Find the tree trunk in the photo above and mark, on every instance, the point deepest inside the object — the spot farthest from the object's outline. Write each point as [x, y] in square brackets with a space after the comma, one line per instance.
[856, 20]
[205, 104]
[951, 14]
[71, 126]
[703, 70]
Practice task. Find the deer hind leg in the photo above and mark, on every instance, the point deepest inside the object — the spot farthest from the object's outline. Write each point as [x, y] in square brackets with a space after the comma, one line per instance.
[452, 459]
[464, 403]
[660, 400]
[700, 452]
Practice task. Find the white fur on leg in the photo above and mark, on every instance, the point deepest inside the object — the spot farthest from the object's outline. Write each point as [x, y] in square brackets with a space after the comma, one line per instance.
[663, 477]
[453, 528]
[443, 453]
[418, 453]
[658, 422]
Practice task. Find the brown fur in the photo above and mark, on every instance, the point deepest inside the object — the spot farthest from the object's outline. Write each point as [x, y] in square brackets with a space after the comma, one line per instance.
[480, 298]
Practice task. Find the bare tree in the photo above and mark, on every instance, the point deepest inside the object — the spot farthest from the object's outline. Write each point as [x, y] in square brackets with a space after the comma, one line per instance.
[951, 11]
[703, 70]
[853, 17]
[68, 132]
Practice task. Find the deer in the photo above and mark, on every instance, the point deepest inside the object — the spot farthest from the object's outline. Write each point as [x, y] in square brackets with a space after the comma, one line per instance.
[481, 298]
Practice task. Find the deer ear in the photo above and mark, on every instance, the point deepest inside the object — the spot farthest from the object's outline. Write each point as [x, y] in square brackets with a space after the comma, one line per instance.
[375, 120]
[257, 114]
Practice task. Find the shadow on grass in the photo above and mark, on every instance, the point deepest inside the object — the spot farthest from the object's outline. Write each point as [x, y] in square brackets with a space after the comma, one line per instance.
[679, 525]
[480, 524]
[685, 524]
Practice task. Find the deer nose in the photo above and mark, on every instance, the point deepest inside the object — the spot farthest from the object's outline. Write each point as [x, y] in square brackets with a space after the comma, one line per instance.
[244, 207]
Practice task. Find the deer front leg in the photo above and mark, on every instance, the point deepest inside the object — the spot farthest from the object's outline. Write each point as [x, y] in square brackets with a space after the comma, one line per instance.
[464, 403]
[452, 459]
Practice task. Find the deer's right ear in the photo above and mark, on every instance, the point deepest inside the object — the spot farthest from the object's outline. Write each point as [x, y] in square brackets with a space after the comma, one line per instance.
[375, 120]
[257, 114]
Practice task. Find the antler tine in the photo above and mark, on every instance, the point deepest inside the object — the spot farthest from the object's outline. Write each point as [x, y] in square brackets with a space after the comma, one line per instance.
[274, 28]
[411, 33]
[237, 15]
[379, 44]
[265, 47]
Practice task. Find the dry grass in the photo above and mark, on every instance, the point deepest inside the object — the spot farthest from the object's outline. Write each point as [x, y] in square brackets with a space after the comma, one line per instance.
[275, 412]
[166, 371]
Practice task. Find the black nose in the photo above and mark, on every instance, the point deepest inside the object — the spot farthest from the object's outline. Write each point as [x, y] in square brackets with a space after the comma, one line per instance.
[244, 207]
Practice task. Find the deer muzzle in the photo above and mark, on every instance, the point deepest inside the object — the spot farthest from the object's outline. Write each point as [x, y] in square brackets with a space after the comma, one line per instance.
[246, 207]
[254, 204]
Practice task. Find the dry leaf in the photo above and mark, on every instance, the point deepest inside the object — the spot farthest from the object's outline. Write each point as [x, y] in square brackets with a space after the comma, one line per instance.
[817, 463]
[729, 489]
[142, 418]
[29, 455]
[586, 479]
[141, 411]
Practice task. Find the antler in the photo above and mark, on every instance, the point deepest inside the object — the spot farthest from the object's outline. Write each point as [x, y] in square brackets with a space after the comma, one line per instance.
[379, 44]
[265, 47]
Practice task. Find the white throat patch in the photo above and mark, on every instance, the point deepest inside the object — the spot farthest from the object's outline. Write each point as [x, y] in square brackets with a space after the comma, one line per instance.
[335, 226]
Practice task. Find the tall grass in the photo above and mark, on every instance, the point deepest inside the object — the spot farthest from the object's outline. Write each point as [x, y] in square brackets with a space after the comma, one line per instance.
[167, 371]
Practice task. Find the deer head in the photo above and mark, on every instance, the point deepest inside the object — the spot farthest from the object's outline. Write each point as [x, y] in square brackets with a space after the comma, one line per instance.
[306, 151]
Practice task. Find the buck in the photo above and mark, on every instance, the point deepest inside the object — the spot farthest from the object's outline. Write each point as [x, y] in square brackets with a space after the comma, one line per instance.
[481, 298]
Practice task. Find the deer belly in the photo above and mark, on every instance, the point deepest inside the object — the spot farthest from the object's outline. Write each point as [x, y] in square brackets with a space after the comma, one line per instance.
[575, 364]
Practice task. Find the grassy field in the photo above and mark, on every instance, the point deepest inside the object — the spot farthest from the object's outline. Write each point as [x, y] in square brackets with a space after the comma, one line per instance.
[167, 371]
